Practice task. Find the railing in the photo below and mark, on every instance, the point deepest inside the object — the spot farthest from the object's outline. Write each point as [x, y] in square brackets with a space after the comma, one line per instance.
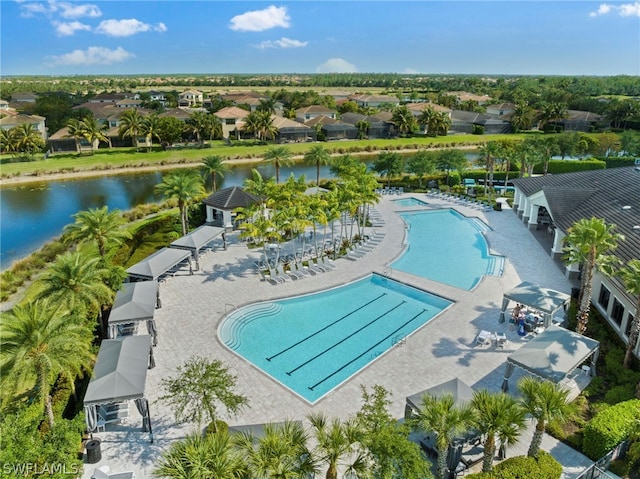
[599, 468]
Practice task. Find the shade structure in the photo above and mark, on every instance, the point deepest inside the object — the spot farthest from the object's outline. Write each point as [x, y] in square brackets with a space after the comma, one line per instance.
[546, 300]
[554, 354]
[457, 388]
[154, 266]
[197, 239]
[120, 372]
[133, 303]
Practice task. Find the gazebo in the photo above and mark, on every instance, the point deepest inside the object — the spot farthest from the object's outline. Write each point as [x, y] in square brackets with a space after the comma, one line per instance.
[553, 355]
[460, 391]
[154, 266]
[545, 300]
[134, 303]
[221, 204]
[119, 376]
[198, 239]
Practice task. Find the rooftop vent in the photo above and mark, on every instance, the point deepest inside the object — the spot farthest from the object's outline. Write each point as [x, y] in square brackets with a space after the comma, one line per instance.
[626, 207]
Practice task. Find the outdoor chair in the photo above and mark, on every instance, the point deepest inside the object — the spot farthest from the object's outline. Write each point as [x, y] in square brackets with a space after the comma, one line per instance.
[501, 340]
[483, 338]
[103, 473]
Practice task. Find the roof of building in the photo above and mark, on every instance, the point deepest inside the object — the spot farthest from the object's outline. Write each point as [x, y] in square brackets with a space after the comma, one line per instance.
[230, 198]
[374, 98]
[230, 112]
[320, 109]
[612, 194]
[474, 117]
[420, 107]
[354, 118]
[320, 120]
[11, 120]
[281, 122]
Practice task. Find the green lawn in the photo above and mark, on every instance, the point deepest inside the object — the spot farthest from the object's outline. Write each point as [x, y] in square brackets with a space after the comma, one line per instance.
[104, 159]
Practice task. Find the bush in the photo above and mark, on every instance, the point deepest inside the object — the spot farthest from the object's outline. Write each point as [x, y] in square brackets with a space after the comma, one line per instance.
[609, 428]
[524, 467]
[220, 427]
[620, 393]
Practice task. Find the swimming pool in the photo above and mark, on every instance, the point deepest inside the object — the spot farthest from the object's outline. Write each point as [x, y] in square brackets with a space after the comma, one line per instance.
[410, 202]
[447, 247]
[313, 343]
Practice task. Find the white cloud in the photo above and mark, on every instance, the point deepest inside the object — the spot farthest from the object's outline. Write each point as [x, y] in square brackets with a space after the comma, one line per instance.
[260, 20]
[67, 29]
[63, 9]
[284, 42]
[410, 71]
[336, 65]
[127, 27]
[624, 10]
[91, 56]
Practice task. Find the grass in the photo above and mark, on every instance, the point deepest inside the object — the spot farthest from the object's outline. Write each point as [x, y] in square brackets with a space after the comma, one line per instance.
[130, 158]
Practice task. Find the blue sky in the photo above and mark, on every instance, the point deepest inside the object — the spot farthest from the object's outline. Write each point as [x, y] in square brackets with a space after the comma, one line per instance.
[546, 37]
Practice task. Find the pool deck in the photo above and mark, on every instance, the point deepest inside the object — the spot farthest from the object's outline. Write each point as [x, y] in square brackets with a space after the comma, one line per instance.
[194, 305]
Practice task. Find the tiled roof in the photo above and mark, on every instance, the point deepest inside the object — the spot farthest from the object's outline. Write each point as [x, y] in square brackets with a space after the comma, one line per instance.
[322, 120]
[231, 112]
[314, 109]
[596, 193]
[420, 107]
[230, 199]
[281, 122]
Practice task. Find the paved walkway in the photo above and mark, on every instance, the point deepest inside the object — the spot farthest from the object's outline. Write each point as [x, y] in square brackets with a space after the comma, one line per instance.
[193, 306]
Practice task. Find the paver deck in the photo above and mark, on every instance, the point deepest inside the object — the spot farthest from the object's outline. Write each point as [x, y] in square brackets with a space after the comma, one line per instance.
[193, 306]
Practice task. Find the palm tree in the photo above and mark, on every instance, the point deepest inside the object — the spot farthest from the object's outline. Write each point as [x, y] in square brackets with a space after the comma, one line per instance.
[337, 441]
[183, 186]
[151, 128]
[426, 119]
[404, 120]
[279, 156]
[132, 124]
[202, 457]
[77, 282]
[281, 452]
[317, 156]
[521, 116]
[28, 139]
[588, 243]
[199, 124]
[441, 415]
[214, 165]
[488, 152]
[75, 131]
[99, 225]
[440, 123]
[630, 275]
[544, 401]
[497, 416]
[252, 124]
[94, 131]
[267, 104]
[7, 141]
[40, 343]
[363, 128]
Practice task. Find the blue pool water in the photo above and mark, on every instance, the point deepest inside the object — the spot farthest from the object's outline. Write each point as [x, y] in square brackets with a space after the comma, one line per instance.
[410, 202]
[447, 247]
[313, 343]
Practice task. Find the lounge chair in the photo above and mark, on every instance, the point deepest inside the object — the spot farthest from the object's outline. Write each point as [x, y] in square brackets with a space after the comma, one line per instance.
[316, 262]
[298, 268]
[275, 277]
[103, 473]
[327, 262]
[311, 266]
[287, 274]
[354, 254]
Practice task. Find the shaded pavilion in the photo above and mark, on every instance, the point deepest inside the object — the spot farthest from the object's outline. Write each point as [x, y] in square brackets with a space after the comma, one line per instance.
[157, 264]
[135, 303]
[220, 205]
[547, 301]
[198, 239]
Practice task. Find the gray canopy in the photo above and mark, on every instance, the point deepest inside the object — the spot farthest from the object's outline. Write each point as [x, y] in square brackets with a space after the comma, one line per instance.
[554, 354]
[154, 266]
[457, 388]
[134, 302]
[545, 300]
[197, 239]
[120, 372]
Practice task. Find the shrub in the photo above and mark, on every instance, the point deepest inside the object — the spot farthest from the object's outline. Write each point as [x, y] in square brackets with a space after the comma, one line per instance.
[220, 427]
[609, 428]
[620, 393]
[523, 467]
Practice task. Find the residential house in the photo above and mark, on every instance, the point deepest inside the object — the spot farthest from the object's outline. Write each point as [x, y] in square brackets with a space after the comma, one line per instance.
[113, 97]
[330, 129]
[463, 96]
[129, 103]
[232, 119]
[560, 200]
[374, 101]
[501, 110]
[309, 112]
[472, 122]
[10, 119]
[378, 128]
[159, 96]
[190, 98]
[24, 97]
[576, 120]
[290, 131]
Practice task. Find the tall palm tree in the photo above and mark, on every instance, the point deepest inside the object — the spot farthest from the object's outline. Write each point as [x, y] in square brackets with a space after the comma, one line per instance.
[267, 104]
[94, 131]
[281, 452]
[521, 116]
[363, 127]
[151, 128]
[77, 282]
[202, 457]
[183, 186]
[441, 415]
[28, 139]
[317, 156]
[279, 156]
[630, 275]
[588, 243]
[216, 167]
[132, 124]
[75, 131]
[497, 416]
[440, 123]
[488, 153]
[426, 119]
[544, 401]
[337, 445]
[199, 124]
[39, 343]
[99, 225]
[7, 141]
[404, 120]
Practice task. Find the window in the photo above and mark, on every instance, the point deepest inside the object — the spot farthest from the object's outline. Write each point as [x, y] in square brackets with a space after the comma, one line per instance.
[603, 299]
[617, 311]
[627, 331]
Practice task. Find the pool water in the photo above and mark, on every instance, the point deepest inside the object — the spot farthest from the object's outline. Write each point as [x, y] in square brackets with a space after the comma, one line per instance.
[313, 343]
[447, 247]
[410, 202]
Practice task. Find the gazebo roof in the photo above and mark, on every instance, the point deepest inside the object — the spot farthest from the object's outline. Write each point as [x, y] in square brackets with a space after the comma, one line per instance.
[158, 263]
[120, 372]
[554, 353]
[231, 198]
[457, 388]
[135, 302]
[539, 297]
[198, 238]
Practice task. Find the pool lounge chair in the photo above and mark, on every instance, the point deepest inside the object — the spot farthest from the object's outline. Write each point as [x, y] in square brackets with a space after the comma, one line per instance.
[327, 262]
[275, 277]
[290, 274]
[298, 268]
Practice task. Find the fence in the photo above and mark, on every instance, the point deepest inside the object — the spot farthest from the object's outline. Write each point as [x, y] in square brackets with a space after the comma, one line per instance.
[599, 468]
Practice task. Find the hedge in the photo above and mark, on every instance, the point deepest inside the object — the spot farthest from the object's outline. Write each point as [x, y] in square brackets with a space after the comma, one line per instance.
[609, 428]
[570, 166]
[618, 161]
[524, 467]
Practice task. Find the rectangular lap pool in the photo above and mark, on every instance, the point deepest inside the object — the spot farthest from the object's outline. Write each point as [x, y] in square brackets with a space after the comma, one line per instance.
[318, 341]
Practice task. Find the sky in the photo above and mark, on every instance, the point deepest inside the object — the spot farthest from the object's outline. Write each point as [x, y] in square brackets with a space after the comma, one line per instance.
[545, 37]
